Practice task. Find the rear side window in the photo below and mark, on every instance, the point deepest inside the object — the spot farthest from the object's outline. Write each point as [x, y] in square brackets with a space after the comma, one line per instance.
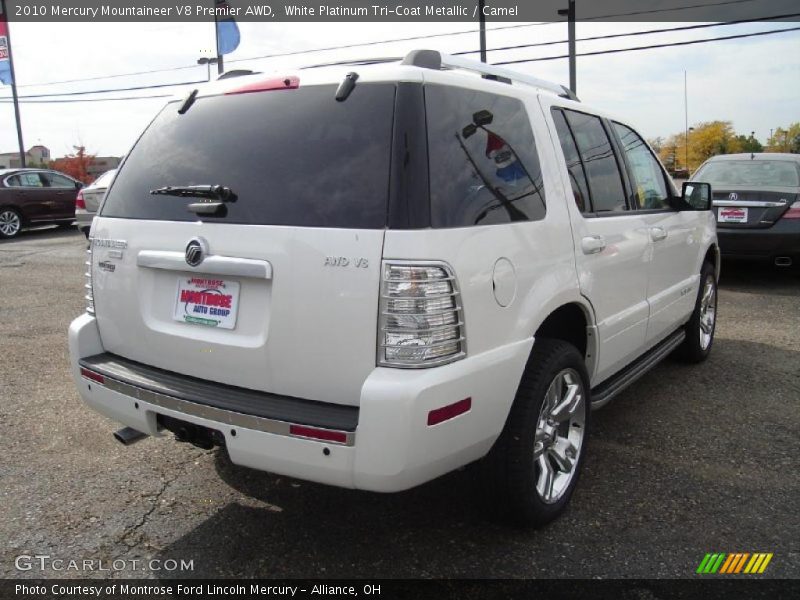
[292, 157]
[650, 187]
[484, 168]
[602, 170]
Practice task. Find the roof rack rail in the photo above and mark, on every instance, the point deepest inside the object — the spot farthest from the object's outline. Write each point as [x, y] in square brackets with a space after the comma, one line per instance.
[433, 59]
[356, 62]
[237, 73]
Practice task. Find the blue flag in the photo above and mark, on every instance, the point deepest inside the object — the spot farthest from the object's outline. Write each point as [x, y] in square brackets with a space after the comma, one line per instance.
[227, 31]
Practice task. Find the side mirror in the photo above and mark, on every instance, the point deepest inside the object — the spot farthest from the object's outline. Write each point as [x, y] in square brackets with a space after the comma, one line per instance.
[696, 195]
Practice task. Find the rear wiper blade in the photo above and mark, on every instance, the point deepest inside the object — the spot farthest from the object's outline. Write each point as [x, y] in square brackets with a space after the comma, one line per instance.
[212, 192]
[213, 197]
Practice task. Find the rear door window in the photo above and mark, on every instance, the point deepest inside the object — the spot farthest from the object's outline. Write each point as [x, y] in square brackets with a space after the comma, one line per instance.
[484, 168]
[292, 157]
[600, 162]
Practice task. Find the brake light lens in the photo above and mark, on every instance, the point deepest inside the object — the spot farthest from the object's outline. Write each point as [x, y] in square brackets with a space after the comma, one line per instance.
[421, 319]
[793, 212]
[89, 297]
[79, 201]
[291, 82]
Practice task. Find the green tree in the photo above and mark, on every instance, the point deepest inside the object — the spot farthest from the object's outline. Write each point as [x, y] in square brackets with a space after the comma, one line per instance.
[785, 140]
[749, 143]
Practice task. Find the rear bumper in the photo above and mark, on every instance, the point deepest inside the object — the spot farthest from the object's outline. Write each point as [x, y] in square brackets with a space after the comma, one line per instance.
[391, 448]
[83, 219]
[782, 239]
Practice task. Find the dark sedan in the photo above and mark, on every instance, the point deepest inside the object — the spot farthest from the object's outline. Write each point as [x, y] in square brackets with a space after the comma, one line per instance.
[35, 197]
[757, 204]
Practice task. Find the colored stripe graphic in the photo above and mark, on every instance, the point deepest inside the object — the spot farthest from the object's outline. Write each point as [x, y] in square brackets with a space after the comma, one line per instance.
[764, 564]
[728, 564]
[734, 563]
[740, 564]
[703, 563]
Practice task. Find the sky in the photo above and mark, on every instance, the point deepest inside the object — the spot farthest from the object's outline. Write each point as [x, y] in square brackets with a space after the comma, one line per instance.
[753, 82]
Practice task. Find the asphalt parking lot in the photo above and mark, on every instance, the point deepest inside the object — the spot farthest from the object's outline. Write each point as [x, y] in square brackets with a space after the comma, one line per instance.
[690, 460]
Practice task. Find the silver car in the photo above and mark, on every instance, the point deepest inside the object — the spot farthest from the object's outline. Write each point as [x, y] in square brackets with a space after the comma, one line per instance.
[89, 199]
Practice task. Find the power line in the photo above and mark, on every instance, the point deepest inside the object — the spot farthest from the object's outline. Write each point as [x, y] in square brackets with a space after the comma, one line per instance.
[613, 51]
[279, 54]
[373, 43]
[634, 33]
[593, 38]
[127, 89]
[67, 101]
[635, 48]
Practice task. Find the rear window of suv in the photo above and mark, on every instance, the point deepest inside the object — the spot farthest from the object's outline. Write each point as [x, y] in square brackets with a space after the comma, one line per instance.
[292, 157]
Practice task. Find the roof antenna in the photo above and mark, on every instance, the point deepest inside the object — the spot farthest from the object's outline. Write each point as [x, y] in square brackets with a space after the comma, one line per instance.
[346, 87]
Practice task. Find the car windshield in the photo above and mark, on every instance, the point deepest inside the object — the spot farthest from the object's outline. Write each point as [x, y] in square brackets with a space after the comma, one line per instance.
[749, 172]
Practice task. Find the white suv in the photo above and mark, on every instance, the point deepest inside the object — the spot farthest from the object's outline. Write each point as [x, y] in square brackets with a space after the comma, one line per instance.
[370, 275]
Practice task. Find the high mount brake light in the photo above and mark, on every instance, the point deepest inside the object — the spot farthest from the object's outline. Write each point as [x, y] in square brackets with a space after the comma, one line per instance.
[279, 83]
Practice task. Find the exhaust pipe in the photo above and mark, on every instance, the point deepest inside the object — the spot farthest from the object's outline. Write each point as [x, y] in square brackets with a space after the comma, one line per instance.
[783, 261]
[128, 435]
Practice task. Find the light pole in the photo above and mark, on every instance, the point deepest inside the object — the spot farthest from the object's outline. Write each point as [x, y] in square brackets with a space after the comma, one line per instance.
[688, 131]
[569, 12]
[208, 62]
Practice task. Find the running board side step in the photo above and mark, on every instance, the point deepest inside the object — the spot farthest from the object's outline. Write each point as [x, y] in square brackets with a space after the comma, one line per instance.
[606, 391]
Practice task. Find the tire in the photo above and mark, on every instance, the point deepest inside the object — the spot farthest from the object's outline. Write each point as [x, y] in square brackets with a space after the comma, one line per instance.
[703, 322]
[513, 483]
[10, 223]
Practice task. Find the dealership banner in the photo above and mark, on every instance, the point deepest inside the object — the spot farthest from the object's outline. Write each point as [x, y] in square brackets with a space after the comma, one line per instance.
[395, 10]
[5, 62]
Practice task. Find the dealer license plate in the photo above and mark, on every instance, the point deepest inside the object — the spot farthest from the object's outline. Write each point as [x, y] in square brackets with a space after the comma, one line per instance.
[207, 301]
[732, 214]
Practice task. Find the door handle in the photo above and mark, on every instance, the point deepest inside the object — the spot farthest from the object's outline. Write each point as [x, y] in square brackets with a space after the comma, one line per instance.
[657, 234]
[593, 244]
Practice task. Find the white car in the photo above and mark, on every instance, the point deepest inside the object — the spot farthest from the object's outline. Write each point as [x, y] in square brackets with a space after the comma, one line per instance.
[371, 275]
[88, 200]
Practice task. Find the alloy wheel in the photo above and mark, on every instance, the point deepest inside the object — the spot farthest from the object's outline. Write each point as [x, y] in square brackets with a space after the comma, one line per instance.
[9, 223]
[559, 435]
[708, 313]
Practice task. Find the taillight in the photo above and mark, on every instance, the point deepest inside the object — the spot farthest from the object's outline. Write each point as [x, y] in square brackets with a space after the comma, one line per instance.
[79, 201]
[793, 212]
[88, 284]
[421, 321]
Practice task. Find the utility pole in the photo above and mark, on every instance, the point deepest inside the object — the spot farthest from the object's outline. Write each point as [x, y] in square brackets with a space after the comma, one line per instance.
[482, 22]
[13, 86]
[686, 119]
[220, 67]
[570, 14]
